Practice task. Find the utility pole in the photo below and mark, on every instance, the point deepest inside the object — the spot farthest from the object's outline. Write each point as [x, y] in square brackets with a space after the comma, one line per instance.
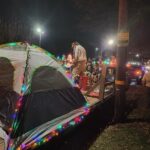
[123, 38]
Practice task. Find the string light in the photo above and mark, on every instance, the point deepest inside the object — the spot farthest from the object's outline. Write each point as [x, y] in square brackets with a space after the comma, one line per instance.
[18, 105]
[38, 141]
[24, 87]
[12, 44]
[48, 54]
[106, 62]
[23, 146]
[59, 127]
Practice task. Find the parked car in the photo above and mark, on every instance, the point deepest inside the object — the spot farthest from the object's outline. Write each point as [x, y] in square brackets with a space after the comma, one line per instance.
[134, 74]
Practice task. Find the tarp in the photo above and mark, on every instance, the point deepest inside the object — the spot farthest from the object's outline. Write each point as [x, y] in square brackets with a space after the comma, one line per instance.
[41, 107]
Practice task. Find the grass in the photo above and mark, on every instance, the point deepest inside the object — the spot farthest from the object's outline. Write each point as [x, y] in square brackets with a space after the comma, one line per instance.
[127, 136]
[134, 133]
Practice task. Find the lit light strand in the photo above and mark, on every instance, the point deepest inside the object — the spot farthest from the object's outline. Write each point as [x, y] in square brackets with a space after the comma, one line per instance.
[15, 123]
[59, 129]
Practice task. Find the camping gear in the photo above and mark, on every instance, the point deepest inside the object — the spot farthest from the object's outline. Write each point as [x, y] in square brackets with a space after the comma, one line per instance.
[47, 101]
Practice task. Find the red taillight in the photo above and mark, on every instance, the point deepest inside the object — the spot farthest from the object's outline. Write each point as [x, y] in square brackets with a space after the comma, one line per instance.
[138, 72]
[128, 65]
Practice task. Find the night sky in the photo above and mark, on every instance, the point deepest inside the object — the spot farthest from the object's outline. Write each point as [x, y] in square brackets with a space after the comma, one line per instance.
[88, 21]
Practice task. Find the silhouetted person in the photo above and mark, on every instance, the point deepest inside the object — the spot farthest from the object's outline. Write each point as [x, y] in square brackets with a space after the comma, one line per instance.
[8, 98]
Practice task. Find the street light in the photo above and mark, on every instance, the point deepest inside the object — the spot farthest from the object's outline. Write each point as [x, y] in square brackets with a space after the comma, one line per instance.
[107, 43]
[40, 32]
[110, 42]
[137, 55]
[96, 49]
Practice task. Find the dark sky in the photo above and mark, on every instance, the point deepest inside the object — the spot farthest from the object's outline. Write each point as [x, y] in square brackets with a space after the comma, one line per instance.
[87, 21]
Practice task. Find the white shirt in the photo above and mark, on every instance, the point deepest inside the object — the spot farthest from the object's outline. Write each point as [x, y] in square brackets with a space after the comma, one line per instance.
[146, 79]
[79, 53]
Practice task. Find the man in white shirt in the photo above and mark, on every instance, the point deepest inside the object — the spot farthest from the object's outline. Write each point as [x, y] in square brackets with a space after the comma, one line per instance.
[79, 60]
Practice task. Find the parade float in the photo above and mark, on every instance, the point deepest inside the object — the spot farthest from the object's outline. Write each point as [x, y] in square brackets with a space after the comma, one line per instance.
[46, 100]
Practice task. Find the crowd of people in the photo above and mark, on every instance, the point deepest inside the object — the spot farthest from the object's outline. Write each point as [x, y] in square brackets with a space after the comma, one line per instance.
[78, 65]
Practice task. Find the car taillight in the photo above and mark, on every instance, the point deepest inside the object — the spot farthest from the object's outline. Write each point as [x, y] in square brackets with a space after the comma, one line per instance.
[138, 72]
[128, 65]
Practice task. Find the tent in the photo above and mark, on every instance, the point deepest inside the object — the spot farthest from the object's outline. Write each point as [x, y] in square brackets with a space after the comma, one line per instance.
[43, 99]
